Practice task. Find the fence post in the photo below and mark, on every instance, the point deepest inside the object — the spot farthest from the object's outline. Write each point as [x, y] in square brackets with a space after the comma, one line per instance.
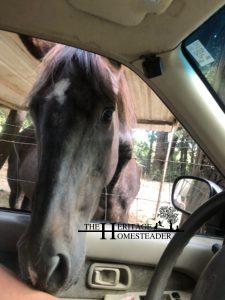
[165, 170]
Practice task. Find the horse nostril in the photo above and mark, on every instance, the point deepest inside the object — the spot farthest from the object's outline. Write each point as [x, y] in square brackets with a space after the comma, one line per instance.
[57, 273]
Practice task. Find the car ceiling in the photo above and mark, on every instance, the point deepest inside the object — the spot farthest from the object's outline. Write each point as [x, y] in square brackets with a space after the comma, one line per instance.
[120, 29]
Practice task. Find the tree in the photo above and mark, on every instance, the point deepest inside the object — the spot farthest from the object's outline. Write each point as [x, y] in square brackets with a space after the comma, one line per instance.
[186, 157]
[151, 137]
[169, 214]
[141, 150]
[160, 154]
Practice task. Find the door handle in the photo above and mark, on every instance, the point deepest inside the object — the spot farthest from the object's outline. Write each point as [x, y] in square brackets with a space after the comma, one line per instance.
[109, 276]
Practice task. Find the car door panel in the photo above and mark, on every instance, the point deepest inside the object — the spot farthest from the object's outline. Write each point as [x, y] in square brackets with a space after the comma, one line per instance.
[140, 256]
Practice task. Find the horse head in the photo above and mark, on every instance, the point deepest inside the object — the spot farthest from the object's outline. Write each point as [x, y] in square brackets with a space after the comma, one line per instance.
[81, 111]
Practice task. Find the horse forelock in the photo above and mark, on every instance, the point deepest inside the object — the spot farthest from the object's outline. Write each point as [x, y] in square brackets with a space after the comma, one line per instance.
[61, 62]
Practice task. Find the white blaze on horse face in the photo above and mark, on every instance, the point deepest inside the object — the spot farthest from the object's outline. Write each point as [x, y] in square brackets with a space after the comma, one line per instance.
[33, 275]
[59, 90]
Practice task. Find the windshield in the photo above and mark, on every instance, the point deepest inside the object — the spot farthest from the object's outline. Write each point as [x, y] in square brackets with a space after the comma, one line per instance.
[205, 49]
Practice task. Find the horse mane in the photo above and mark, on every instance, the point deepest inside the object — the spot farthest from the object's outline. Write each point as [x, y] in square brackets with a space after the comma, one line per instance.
[103, 76]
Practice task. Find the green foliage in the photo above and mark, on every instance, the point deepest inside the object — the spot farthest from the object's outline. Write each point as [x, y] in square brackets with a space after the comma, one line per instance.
[4, 114]
[27, 122]
[186, 158]
[141, 150]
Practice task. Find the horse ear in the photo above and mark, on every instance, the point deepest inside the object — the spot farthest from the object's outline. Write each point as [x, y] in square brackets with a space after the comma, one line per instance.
[37, 47]
[115, 64]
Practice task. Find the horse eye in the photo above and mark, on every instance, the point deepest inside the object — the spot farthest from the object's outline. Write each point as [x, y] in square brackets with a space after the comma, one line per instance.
[106, 116]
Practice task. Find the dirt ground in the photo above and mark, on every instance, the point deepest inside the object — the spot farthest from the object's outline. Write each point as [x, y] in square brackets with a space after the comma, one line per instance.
[143, 208]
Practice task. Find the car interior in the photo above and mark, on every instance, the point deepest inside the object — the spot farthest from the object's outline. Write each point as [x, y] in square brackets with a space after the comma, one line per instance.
[170, 45]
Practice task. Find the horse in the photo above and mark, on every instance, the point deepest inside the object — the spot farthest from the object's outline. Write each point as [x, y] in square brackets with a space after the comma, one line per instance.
[22, 170]
[83, 115]
[115, 200]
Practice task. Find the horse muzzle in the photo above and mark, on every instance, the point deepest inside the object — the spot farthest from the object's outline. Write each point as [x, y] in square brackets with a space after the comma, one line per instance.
[47, 270]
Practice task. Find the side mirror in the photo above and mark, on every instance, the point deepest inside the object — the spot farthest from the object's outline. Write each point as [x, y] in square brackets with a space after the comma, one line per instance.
[189, 193]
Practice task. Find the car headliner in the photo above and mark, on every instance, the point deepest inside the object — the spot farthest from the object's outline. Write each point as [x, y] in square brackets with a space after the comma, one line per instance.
[148, 30]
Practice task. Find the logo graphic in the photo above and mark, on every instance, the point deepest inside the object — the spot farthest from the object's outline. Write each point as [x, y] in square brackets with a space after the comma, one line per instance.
[126, 231]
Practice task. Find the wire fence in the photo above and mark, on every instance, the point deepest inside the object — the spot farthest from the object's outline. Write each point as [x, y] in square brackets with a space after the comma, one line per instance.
[183, 160]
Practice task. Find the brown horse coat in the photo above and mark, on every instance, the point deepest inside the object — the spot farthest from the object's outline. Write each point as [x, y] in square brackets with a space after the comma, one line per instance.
[115, 201]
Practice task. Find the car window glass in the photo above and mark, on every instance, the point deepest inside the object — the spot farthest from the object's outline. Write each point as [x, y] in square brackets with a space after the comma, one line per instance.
[205, 50]
[162, 151]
